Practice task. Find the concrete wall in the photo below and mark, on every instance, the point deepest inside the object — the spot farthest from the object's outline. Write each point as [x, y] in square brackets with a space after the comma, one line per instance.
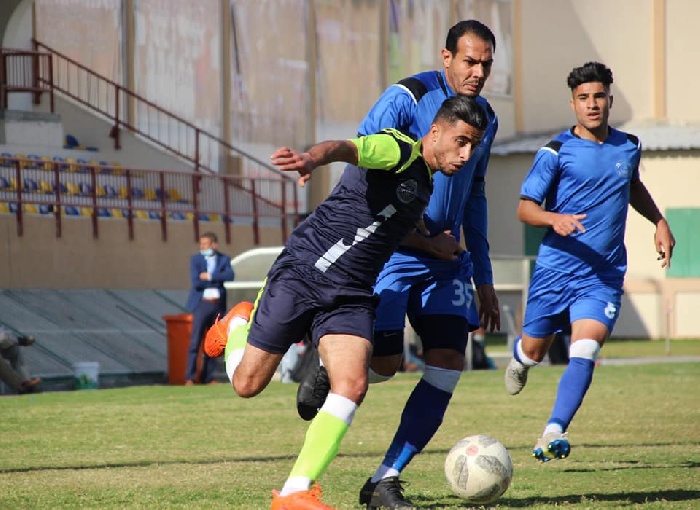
[619, 33]
[39, 259]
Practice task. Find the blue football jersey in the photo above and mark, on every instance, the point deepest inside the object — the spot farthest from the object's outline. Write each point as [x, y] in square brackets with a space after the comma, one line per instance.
[571, 175]
[458, 201]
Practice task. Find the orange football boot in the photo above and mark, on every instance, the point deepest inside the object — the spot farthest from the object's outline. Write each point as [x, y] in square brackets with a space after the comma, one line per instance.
[217, 336]
[304, 500]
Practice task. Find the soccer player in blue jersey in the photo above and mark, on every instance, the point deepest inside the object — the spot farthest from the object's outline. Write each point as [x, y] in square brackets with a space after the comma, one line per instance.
[580, 187]
[430, 276]
[323, 280]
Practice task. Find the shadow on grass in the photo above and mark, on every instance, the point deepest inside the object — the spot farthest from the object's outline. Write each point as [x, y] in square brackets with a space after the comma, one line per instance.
[622, 497]
[628, 464]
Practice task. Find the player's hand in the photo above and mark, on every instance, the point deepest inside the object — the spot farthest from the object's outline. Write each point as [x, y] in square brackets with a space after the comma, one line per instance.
[203, 276]
[444, 246]
[664, 241]
[567, 224]
[489, 308]
[289, 160]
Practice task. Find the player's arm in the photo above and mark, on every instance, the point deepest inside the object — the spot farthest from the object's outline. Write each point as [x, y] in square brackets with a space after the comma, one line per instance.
[381, 151]
[642, 202]
[475, 228]
[443, 246]
[533, 192]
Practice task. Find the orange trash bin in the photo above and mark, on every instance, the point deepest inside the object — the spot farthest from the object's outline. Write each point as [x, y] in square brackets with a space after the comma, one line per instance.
[179, 330]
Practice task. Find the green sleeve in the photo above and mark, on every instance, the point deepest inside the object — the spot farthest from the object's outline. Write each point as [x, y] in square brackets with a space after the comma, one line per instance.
[380, 151]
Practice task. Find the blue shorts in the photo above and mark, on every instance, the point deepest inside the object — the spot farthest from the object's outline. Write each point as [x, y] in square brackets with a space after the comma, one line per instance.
[415, 286]
[298, 299]
[557, 299]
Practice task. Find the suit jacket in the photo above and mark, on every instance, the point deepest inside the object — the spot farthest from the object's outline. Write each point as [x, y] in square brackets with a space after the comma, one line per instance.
[223, 272]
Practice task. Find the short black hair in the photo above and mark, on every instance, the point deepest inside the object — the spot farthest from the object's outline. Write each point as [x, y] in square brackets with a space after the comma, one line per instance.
[588, 73]
[211, 236]
[465, 108]
[468, 26]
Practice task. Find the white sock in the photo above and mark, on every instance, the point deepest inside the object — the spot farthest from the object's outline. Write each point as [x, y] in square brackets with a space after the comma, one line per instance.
[552, 428]
[523, 358]
[295, 484]
[233, 360]
[384, 472]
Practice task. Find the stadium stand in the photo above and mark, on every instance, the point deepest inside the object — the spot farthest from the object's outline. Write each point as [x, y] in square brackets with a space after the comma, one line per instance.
[122, 330]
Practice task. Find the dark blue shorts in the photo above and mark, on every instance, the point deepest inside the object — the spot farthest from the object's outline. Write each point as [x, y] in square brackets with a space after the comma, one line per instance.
[298, 299]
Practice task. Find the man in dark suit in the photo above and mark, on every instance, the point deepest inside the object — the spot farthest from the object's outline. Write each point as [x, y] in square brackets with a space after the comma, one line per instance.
[209, 269]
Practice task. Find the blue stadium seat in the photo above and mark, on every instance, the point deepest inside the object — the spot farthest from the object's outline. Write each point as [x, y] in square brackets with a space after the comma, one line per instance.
[153, 215]
[45, 208]
[203, 216]
[71, 210]
[13, 207]
[110, 191]
[137, 193]
[30, 185]
[85, 188]
[177, 215]
[4, 183]
[104, 213]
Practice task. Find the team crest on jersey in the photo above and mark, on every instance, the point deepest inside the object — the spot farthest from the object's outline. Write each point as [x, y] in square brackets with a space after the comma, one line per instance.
[407, 191]
[610, 310]
[623, 168]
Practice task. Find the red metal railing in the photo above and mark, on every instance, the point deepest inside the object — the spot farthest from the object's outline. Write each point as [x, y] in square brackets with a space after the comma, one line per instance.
[20, 71]
[76, 188]
[127, 110]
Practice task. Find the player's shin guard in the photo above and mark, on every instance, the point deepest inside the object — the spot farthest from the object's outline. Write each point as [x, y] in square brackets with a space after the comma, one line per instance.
[323, 437]
[575, 381]
[422, 416]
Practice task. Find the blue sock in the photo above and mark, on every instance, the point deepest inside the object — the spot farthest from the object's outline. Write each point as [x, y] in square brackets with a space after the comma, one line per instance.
[421, 418]
[573, 386]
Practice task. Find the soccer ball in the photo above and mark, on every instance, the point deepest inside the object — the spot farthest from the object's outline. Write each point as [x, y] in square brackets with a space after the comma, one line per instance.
[479, 469]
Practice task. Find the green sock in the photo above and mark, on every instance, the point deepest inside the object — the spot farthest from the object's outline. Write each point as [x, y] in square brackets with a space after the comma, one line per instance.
[237, 339]
[321, 445]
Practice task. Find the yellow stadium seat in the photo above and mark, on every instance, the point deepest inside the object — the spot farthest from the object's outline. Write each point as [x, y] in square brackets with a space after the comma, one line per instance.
[4, 208]
[117, 213]
[189, 216]
[101, 191]
[174, 195]
[150, 194]
[45, 163]
[142, 215]
[73, 188]
[214, 217]
[13, 184]
[73, 165]
[86, 211]
[30, 208]
[45, 187]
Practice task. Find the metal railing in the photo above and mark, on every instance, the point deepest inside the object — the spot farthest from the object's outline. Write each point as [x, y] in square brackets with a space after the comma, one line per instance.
[20, 71]
[73, 188]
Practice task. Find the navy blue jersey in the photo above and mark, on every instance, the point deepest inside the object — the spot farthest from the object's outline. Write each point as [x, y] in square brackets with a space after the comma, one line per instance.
[351, 235]
[572, 175]
[458, 202]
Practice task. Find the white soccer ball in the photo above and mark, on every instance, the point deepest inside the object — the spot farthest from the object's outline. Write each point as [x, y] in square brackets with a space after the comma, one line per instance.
[479, 469]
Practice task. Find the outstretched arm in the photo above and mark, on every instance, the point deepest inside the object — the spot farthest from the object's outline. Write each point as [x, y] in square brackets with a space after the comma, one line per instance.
[563, 224]
[323, 153]
[642, 202]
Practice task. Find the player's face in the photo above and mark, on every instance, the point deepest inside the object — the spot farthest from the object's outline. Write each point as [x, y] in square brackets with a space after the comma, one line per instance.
[468, 69]
[591, 103]
[453, 144]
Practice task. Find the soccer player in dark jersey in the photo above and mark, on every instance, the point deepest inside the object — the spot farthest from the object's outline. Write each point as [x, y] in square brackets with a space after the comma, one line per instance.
[322, 282]
[579, 188]
[429, 277]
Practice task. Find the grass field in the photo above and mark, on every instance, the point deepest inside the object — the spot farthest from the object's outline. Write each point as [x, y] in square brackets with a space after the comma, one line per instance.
[636, 442]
